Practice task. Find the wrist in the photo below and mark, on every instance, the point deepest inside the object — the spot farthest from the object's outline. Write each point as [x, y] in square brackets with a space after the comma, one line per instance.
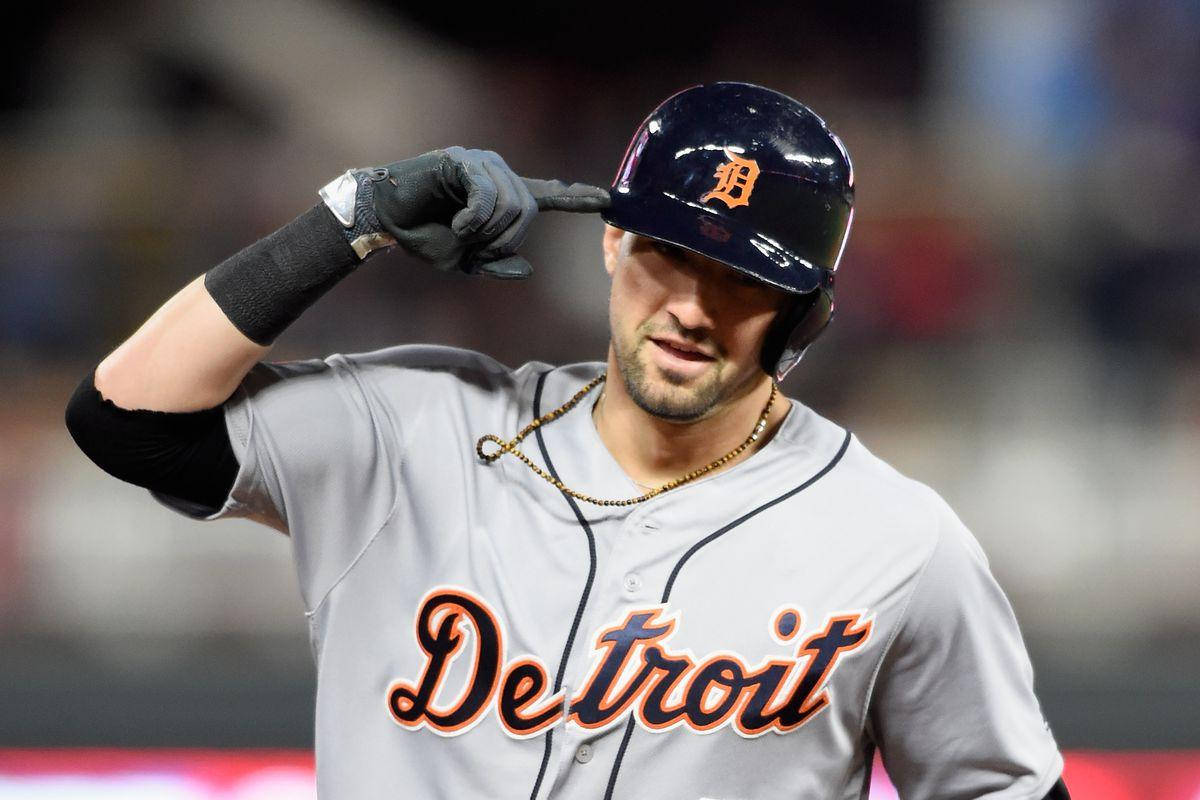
[350, 198]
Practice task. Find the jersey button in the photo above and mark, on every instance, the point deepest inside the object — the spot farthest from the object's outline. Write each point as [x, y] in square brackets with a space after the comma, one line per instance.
[648, 525]
[584, 754]
[633, 582]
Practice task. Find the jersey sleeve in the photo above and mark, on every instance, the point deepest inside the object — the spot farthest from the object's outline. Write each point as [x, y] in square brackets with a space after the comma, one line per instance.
[954, 712]
[316, 460]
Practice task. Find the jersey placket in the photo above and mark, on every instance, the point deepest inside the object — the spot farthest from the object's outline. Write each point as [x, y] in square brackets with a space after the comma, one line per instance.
[575, 453]
[625, 580]
[572, 451]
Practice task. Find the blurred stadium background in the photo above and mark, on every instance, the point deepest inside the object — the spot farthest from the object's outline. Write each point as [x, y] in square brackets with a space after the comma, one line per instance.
[1018, 320]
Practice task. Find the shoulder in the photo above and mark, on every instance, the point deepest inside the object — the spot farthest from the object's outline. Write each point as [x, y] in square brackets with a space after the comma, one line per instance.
[401, 387]
[406, 368]
[902, 532]
[429, 357]
[876, 502]
[453, 362]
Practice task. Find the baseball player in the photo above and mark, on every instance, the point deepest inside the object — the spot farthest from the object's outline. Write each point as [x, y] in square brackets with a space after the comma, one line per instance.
[650, 576]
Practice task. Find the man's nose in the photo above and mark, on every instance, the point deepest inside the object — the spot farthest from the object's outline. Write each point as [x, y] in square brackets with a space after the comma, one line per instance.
[693, 298]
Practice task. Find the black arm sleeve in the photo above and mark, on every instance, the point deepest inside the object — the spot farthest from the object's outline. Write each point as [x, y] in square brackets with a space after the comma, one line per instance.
[184, 455]
[1058, 792]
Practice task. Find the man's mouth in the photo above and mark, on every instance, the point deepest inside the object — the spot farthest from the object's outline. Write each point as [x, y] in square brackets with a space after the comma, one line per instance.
[682, 350]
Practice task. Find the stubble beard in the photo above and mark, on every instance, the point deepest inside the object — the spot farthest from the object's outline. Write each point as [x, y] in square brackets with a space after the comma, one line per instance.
[686, 405]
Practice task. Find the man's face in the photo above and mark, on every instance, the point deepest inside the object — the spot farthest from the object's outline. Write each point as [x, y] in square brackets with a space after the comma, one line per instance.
[687, 330]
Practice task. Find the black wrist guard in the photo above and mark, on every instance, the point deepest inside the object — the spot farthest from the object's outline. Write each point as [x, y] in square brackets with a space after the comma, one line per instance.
[266, 286]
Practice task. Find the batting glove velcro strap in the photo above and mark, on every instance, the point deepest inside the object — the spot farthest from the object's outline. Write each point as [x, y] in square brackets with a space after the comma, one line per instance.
[350, 197]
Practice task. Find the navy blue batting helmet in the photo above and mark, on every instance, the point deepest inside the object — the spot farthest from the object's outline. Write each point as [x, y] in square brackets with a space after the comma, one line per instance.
[751, 178]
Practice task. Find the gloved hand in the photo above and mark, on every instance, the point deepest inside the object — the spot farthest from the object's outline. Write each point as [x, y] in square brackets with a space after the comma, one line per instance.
[459, 209]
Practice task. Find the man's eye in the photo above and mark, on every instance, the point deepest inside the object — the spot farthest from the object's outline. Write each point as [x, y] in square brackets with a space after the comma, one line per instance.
[669, 250]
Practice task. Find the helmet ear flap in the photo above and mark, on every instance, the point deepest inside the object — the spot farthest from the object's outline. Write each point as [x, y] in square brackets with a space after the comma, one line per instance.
[794, 329]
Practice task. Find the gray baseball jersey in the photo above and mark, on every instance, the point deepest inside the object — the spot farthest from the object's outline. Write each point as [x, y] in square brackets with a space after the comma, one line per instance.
[755, 634]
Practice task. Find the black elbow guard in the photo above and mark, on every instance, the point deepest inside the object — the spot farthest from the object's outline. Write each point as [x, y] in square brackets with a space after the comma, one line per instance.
[185, 455]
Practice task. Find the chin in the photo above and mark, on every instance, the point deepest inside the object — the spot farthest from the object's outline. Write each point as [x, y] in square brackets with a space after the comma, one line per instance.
[674, 409]
[669, 395]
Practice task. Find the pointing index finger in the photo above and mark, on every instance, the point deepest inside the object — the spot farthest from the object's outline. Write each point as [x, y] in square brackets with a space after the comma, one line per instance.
[552, 195]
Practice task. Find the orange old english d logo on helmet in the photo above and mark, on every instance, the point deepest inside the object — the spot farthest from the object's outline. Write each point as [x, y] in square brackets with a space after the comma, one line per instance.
[735, 181]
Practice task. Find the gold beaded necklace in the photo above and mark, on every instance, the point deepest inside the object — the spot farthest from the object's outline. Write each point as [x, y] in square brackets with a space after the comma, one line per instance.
[510, 446]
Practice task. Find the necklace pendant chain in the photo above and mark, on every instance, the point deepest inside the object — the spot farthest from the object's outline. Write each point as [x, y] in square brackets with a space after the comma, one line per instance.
[503, 446]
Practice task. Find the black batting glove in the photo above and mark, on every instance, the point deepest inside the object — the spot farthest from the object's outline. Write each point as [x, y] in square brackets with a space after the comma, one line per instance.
[462, 210]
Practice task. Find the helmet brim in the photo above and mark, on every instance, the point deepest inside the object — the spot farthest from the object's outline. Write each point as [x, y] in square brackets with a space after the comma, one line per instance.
[702, 230]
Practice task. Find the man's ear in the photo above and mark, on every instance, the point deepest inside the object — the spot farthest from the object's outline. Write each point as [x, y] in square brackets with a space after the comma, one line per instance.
[612, 247]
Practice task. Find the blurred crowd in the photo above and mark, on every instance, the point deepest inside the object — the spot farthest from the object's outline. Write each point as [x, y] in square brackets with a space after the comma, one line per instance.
[1017, 310]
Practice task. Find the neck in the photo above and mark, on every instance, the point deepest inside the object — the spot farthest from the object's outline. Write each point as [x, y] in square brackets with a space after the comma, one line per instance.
[653, 451]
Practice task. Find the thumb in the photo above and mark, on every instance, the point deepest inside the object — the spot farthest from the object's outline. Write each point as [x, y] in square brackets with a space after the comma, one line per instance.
[509, 268]
[558, 196]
